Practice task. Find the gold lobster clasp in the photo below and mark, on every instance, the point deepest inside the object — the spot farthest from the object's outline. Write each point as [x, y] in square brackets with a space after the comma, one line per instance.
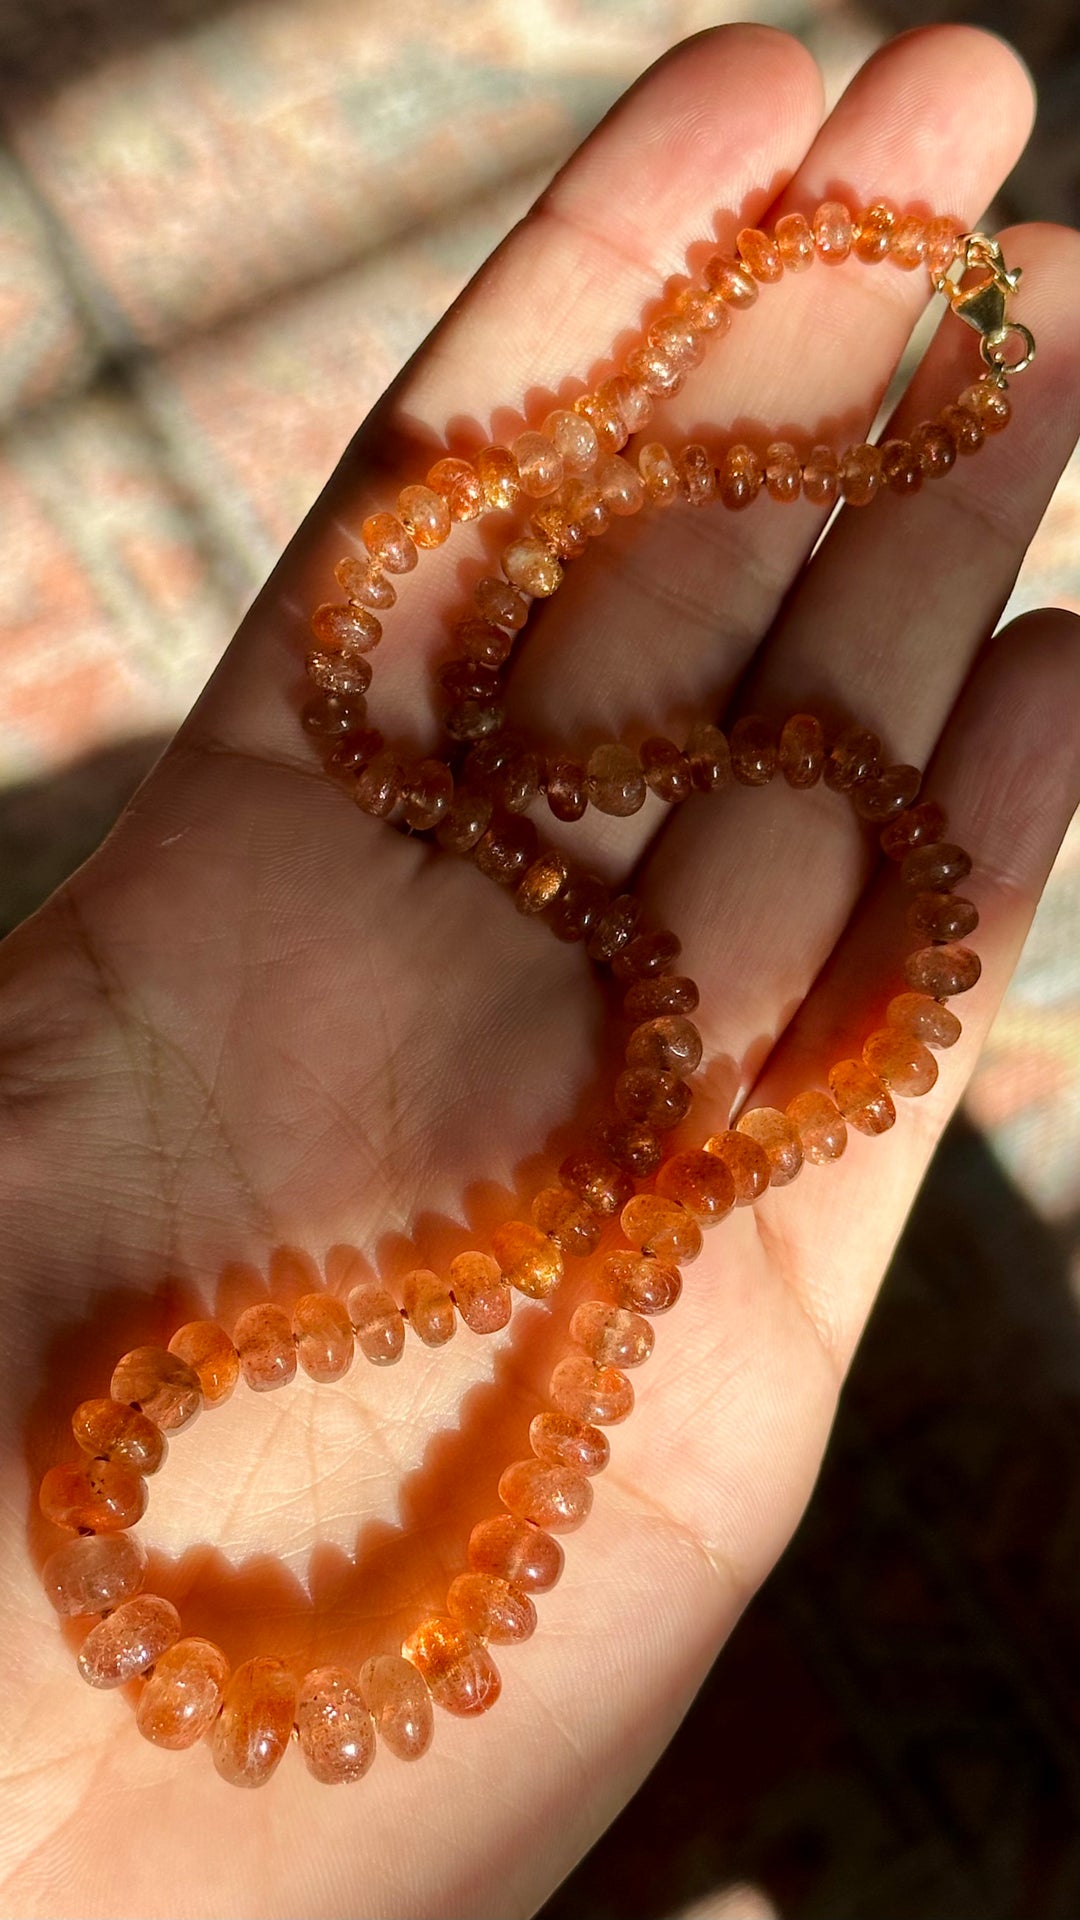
[983, 303]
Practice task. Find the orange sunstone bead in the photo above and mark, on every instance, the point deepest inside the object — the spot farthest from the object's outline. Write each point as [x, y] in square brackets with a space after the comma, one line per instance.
[640, 1283]
[670, 993]
[908, 243]
[602, 412]
[760, 254]
[497, 602]
[181, 1697]
[747, 1162]
[516, 1551]
[612, 1336]
[821, 477]
[601, 1396]
[621, 486]
[801, 750]
[833, 230]
[560, 1441]
[160, 1384]
[336, 1730]
[731, 280]
[94, 1572]
[820, 1125]
[527, 1259]
[530, 565]
[942, 236]
[264, 1340]
[128, 1640]
[603, 1186]
[700, 1182]
[539, 463]
[925, 1018]
[482, 641]
[559, 528]
[110, 1430]
[942, 971]
[666, 769]
[426, 794]
[208, 1350]
[935, 868]
[465, 822]
[255, 1724]
[614, 781]
[783, 474]
[779, 1139]
[876, 225]
[103, 1495]
[480, 1293]
[860, 474]
[330, 715]
[424, 515]
[658, 371]
[659, 1226]
[461, 1676]
[376, 1321]
[567, 1220]
[429, 1307]
[574, 439]
[915, 827]
[460, 484]
[990, 405]
[634, 1146]
[753, 750]
[739, 477]
[854, 756]
[901, 467]
[942, 916]
[346, 628]
[388, 543]
[671, 1043]
[696, 475]
[702, 310]
[964, 427]
[323, 1334]
[614, 928]
[555, 1498]
[364, 582]
[861, 1096]
[378, 787]
[903, 1064]
[491, 1608]
[631, 401]
[399, 1703]
[675, 337]
[794, 239]
[934, 448]
[658, 474]
[648, 1096]
[497, 476]
[890, 791]
[709, 757]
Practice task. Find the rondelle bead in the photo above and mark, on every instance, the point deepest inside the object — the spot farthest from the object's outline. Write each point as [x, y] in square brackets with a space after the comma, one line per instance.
[700, 1182]
[670, 993]
[160, 1384]
[559, 1441]
[934, 448]
[399, 1704]
[497, 475]
[346, 629]
[990, 405]
[335, 1728]
[517, 1552]
[860, 474]
[330, 716]
[578, 909]
[645, 1094]
[378, 787]
[354, 751]
[182, 1696]
[605, 418]
[527, 1259]
[861, 1097]
[915, 827]
[928, 1020]
[964, 428]
[255, 1724]
[601, 1396]
[94, 1572]
[555, 1498]
[783, 474]
[671, 1044]
[481, 1295]
[567, 1220]
[424, 515]
[942, 971]
[647, 954]
[614, 781]
[323, 1334]
[666, 770]
[613, 928]
[426, 794]
[497, 602]
[935, 868]
[621, 486]
[753, 750]
[760, 254]
[630, 400]
[907, 242]
[820, 1125]
[659, 1226]
[876, 225]
[731, 280]
[264, 1341]
[883, 795]
[530, 565]
[565, 786]
[942, 240]
[903, 1064]
[110, 1430]
[208, 1350]
[676, 338]
[603, 1186]
[821, 477]
[465, 822]
[461, 1676]
[854, 756]
[460, 485]
[901, 467]
[697, 475]
[774, 1132]
[539, 464]
[346, 674]
[739, 477]
[429, 1307]
[557, 525]
[376, 1321]
[942, 916]
[483, 642]
[709, 757]
[611, 1336]
[794, 242]
[491, 1608]
[801, 751]
[364, 582]
[507, 849]
[659, 478]
[747, 1162]
[633, 1145]
[642, 1284]
[387, 542]
[574, 439]
[702, 310]
[128, 1640]
[658, 371]
[833, 230]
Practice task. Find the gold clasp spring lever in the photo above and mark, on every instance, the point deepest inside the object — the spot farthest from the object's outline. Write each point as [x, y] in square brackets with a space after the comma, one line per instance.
[983, 304]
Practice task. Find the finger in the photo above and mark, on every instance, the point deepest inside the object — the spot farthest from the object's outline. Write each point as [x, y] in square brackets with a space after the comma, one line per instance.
[655, 625]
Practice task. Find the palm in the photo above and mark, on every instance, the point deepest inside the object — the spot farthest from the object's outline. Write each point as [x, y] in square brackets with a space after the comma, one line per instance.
[258, 1024]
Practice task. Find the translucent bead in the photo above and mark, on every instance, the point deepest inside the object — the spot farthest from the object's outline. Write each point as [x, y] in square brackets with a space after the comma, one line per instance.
[110, 1430]
[601, 1396]
[659, 372]
[925, 1019]
[346, 629]
[527, 1259]
[746, 1161]
[833, 230]
[496, 601]
[860, 474]
[622, 488]
[942, 234]
[964, 428]
[657, 469]
[528, 564]
[783, 474]
[876, 225]
[753, 750]
[461, 485]
[634, 1146]
[657, 1098]
[424, 515]
[353, 752]
[942, 971]
[255, 1724]
[739, 477]
[429, 1307]
[647, 954]
[182, 1696]
[264, 1341]
[934, 448]
[555, 1498]
[565, 787]
[935, 868]
[94, 1572]
[207, 1349]
[481, 1295]
[901, 467]
[702, 310]
[468, 680]
[774, 1132]
[801, 752]
[567, 1220]
[862, 1098]
[821, 477]
[671, 1044]
[399, 1703]
[507, 849]
[483, 642]
[574, 439]
[990, 405]
[855, 755]
[902, 1063]
[759, 254]
[323, 1336]
[346, 675]
[336, 1729]
[730, 280]
[514, 1551]
[603, 1186]
[915, 827]
[461, 1676]
[128, 1640]
[666, 770]
[709, 757]
[630, 400]
[491, 1608]
[641, 1284]
[614, 781]
[907, 242]
[387, 542]
[579, 907]
[426, 794]
[820, 1125]
[696, 475]
[160, 1384]
[584, 504]
[465, 822]
[605, 418]
[378, 788]
[794, 240]
[364, 583]
[376, 1321]
[673, 336]
[328, 716]
[942, 916]
[539, 464]
[700, 1182]
[613, 929]
[497, 473]
[559, 1441]
[883, 795]
[611, 1336]
[659, 1226]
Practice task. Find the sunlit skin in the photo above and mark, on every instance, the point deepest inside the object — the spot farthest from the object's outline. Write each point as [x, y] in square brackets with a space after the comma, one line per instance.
[260, 1043]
